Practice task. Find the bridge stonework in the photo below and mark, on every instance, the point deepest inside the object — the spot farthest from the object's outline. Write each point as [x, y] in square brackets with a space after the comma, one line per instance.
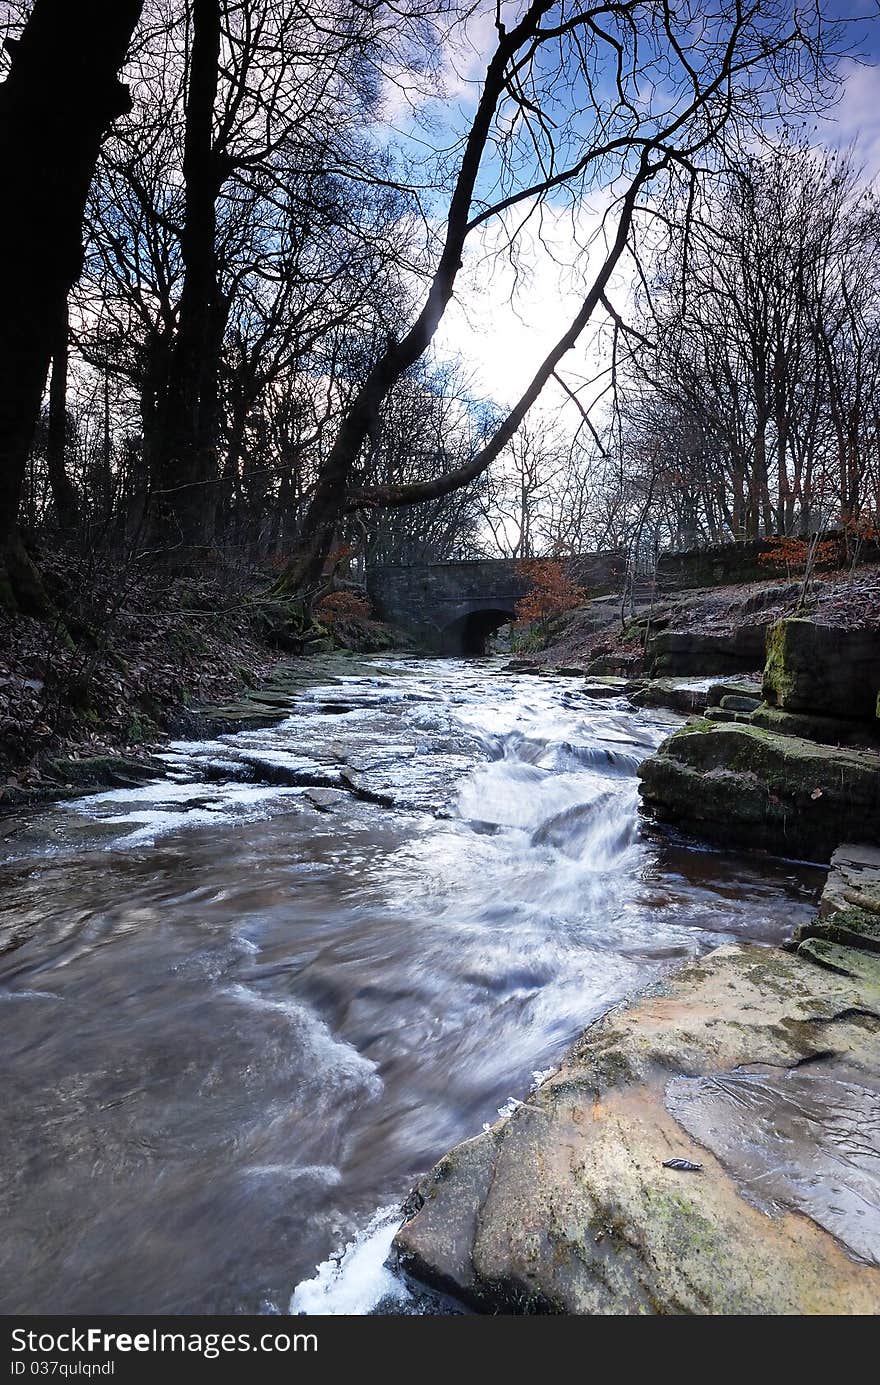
[454, 607]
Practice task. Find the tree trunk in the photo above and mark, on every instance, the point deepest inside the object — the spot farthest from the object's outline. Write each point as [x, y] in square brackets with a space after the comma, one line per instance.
[185, 490]
[64, 496]
[57, 102]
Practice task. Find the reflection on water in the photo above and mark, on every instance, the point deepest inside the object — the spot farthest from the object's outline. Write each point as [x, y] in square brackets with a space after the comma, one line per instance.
[243, 1007]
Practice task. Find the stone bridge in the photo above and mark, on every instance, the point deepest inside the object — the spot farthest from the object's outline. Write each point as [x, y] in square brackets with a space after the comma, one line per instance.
[455, 607]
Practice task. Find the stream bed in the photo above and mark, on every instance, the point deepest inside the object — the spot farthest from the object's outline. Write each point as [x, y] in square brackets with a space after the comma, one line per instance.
[243, 1008]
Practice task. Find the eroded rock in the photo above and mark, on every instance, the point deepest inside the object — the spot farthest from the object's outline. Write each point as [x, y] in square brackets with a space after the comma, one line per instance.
[699, 653]
[822, 669]
[568, 1205]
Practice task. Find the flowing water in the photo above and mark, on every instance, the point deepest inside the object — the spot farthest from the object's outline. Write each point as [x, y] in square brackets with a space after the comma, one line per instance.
[243, 1007]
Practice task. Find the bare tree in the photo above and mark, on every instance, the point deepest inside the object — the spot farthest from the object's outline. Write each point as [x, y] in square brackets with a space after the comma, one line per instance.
[59, 97]
[705, 76]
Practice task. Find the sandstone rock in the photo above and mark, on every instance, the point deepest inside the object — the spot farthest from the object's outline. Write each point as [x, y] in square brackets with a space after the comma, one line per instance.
[849, 910]
[734, 687]
[744, 786]
[813, 727]
[822, 669]
[853, 879]
[234, 716]
[105, 771]
[858, 963]
[722, 714]
[699, 653]
[568, 1205]
[609, 686]
[738, 703]
[665, 692]
[628, 665]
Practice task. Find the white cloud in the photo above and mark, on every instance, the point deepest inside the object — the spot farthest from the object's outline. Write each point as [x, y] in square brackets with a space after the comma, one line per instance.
[855, 120]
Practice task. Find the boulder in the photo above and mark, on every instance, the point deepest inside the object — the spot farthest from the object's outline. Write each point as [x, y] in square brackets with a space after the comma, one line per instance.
[734, 687]
[666, 692]
[700, 653]
[741, 785]
[693, 1154]
[724, 714]
[625, 665]
[822, 669]
[736, 703]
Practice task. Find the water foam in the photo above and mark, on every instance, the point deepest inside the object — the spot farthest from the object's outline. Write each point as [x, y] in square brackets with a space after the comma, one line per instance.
[358, 1280]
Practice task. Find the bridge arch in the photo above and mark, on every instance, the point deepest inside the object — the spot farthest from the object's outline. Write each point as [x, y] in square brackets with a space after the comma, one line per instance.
[468, 633]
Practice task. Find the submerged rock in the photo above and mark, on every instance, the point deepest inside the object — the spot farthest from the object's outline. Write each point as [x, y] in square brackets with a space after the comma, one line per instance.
[745, 786]
[585, 1200]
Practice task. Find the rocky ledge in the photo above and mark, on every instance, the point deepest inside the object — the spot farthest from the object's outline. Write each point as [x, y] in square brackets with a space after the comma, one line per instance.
[745, 786]
[714, 1148]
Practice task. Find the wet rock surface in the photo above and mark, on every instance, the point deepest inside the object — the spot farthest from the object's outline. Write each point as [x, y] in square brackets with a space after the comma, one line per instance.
[714, 1149]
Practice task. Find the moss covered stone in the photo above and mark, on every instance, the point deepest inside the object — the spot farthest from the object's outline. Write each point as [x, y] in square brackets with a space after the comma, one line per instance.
[822, 670]
[746, 786]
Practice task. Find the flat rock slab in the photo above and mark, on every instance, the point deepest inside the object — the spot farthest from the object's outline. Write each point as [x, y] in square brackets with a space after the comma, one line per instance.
[849, 910]
[609, 686]
[753, 1064]
[853, 879]
[671, 693]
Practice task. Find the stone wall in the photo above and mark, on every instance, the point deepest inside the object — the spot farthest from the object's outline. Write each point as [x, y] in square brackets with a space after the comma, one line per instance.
[731, 562]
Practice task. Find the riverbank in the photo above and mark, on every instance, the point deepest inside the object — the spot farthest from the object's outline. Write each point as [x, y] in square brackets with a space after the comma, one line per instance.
[714, 630]
[89, 694]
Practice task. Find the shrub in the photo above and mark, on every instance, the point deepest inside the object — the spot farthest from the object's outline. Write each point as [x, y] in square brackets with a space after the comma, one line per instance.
[340, 606]
[551, 593]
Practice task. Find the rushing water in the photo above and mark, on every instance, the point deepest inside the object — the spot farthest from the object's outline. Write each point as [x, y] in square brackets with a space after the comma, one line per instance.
[242, 1008]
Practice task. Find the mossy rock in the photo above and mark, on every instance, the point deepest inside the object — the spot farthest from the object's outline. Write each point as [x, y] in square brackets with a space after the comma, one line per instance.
[744, 786]
[815, 727]
[104, 771]
[822, 670]
[845, 928]
[861, 965]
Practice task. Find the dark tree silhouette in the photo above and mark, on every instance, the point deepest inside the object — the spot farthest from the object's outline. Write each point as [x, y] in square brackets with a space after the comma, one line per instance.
[59, 98]
[188, 463]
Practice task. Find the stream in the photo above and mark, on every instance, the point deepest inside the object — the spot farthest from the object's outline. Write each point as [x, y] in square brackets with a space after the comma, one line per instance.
[243, 1007]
